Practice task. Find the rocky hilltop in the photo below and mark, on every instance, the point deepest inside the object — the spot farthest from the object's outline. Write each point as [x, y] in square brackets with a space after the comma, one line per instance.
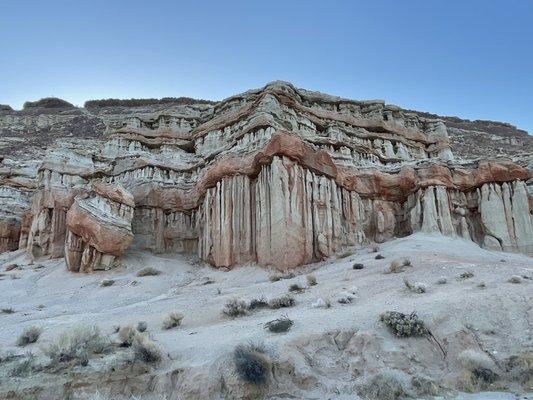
[276, 176]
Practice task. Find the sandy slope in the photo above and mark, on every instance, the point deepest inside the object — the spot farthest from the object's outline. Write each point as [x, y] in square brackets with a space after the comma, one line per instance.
[329, 352]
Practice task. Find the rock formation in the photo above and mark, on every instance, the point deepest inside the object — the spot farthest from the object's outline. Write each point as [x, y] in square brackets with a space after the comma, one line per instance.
[278, 176]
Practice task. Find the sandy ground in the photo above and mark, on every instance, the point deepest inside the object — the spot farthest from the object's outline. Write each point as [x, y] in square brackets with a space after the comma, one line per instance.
[499, 316]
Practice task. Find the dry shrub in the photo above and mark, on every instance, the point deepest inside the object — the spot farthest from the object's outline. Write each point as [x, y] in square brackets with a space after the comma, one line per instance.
[515, 279]
[142, 326]
[404, 325]
[107, 282]
[416, 287]
[26, 367]
[279, 325]
[311, 280]
[235, 307]
[77, 343]
[145, 350]
[29, 335]
[442, 280]
[384, 386]
[296, 288]
[172, 320]
[399, 265]
[258, 303]
[322, 303]
[126, 335]
[466, 275]
[282, 302]
[7, 310]
[252, 364]
[148, 271]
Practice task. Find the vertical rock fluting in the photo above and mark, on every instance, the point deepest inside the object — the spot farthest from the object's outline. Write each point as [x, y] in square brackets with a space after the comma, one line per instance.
[495, 215]
[287, 216]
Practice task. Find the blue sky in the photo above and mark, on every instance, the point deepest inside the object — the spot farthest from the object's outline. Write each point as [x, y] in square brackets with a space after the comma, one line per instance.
[473, 59]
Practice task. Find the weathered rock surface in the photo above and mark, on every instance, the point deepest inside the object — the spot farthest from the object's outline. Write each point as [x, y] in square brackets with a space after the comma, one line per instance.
[279, 176]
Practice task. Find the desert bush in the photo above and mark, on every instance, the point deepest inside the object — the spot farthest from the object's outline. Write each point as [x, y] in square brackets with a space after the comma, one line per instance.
[148, 271]
[281, 302]
[279, 325]
[397, 266]
[515, 279]
[345, 297]
[7, 310]
[296, 288]
[29, 335]
[258, 303]
[126, 334]
[172, 320]
[478, 370]
[145, 350]
[358, 266]
[107, 282]
[26, 367]
[384, 386]
[416, 287]
[466, 275]
[235, 307]
[521, 368]
[404, 325]
[424, 386]
[142, 326]
[311, 280]
[72, 344]
[252, 364]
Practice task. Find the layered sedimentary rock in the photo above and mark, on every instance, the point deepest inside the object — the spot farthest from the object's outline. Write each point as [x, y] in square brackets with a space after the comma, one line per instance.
[278, 176]
[98, 228]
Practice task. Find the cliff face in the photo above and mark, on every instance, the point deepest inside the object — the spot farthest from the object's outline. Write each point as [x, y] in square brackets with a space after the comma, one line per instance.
[279, 176]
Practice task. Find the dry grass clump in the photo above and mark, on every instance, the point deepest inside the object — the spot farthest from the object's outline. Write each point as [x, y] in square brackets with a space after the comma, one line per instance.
[296, 288]
[416, 287]
[77, 344]
[29, 335]
[126, 335]
[399, 265]
[252, 364]
[278, 277]
[479, 370]
[424, 386]
[107, 282]
[258, 303]
[311, 280]
[172, 320]
[282, 302]
[7, 310]
[145, 350]
[148, 271]
[26, 367]
[279, 325]
[384, 386]
[142, 326]
[521, 368]
[235, 307]
[515, 279]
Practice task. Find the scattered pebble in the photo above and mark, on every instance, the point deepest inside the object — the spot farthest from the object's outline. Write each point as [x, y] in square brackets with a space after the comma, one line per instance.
[515, 279]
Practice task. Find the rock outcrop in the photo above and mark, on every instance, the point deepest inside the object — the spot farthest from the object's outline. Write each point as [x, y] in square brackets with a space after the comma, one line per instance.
[98, 228]
[278, 176]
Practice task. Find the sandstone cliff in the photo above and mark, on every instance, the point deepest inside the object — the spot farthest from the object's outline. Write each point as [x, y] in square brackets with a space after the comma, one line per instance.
[279, 176]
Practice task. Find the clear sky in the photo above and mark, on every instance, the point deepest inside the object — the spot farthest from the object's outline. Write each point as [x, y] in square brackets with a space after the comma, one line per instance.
[469, 58]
